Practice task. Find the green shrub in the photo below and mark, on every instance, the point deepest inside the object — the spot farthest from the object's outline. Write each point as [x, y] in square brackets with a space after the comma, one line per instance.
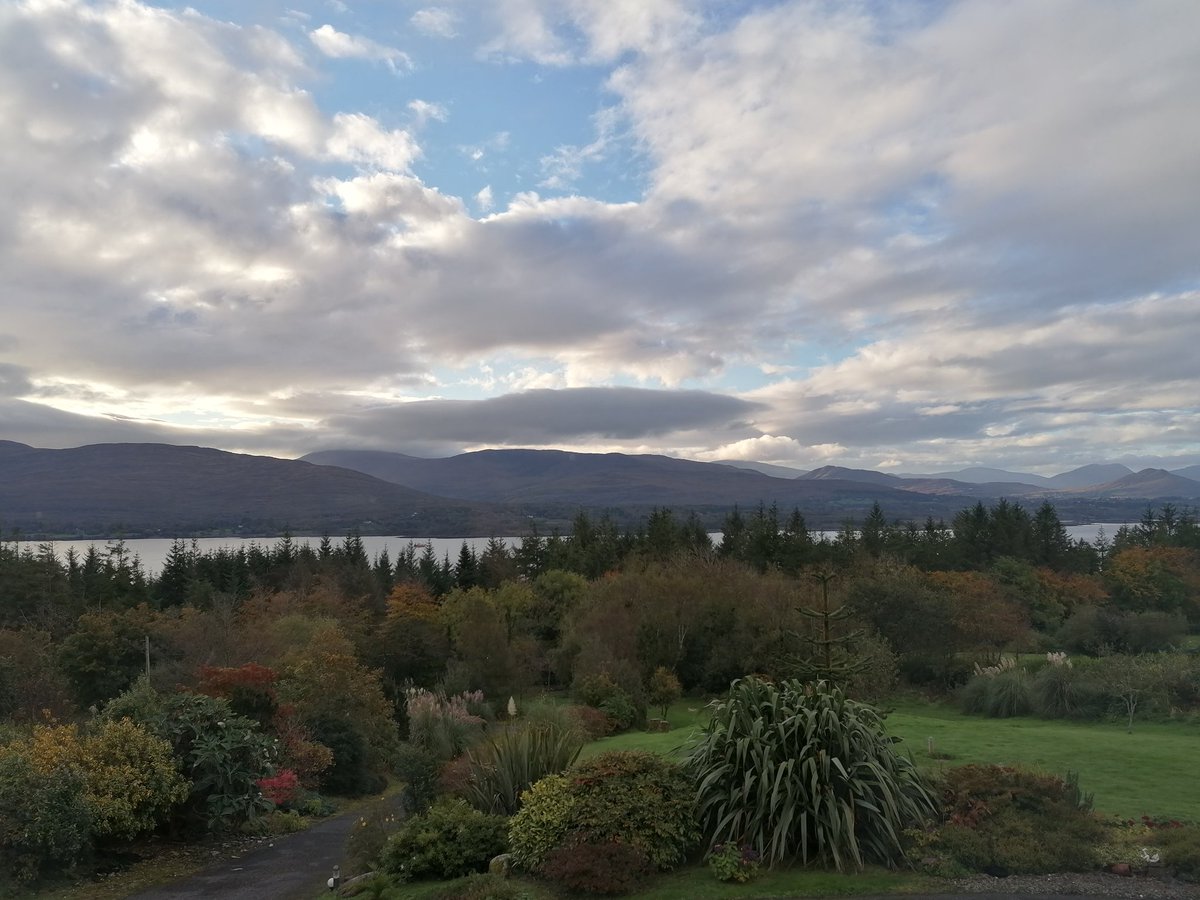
[633, 798]
[281, 822]
[595, 723]
[621, 711]
[348, 775]
[973, 698]
[445, 725]
[605, 867]
[604, 693]
[449, 840]
[664, 689]
[419, 770]
[372, 829]
[1053, 692]
[44, 820]
[506, 766]
[222, 754]
[799, 770]
[999, 820]
[550, 714]
[734, 862]
[1180, 850]
[546, 816]
[998, 696]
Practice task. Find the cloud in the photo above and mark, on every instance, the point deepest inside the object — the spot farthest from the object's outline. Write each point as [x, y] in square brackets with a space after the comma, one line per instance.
[876, 231]
[547, 416]
[424, 111]
[338, 45]
[435, 21]
[566, 32]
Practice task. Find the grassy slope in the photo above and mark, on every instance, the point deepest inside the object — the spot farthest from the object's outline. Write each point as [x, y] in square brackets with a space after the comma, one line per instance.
[1130, 774]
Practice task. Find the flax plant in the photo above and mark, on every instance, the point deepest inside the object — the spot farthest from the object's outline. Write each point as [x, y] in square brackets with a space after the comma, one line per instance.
[503, 767]
[799, 772]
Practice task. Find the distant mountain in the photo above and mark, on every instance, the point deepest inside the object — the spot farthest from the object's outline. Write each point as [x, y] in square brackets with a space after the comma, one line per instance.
[1151, 484]
[1088, 476]
[537, 479]
[985, 475]
[1188, 472]
[159, 488]
[865, 476]
[917, 484]
[765, 468]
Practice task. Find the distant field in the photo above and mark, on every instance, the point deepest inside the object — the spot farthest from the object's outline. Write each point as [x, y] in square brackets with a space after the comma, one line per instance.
[1147, 772]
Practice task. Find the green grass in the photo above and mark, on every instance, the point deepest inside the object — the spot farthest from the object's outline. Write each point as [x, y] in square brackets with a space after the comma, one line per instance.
[1129, 774]
[686, 717]
[1147, 772]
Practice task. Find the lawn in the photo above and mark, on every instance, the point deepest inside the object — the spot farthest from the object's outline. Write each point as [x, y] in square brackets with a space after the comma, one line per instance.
[1130, 774]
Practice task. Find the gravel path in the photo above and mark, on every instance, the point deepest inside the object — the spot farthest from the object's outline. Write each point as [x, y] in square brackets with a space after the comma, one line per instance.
[1077, 885]
[288, 867]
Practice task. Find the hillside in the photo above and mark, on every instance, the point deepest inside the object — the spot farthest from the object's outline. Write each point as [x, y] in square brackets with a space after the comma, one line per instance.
[545, 482]
[163, 489]
[1151, 484]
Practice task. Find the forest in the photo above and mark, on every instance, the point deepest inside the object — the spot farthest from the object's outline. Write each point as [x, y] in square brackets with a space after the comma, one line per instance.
[243, 689]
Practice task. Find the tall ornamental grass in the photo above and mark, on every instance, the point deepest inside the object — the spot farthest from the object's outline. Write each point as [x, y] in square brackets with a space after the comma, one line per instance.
[798, 771]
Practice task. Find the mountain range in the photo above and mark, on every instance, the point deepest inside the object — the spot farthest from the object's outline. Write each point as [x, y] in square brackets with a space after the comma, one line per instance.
[160, 489]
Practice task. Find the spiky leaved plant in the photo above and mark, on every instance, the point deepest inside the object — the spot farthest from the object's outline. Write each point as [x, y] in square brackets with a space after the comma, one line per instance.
[505, 766]
[799, 771]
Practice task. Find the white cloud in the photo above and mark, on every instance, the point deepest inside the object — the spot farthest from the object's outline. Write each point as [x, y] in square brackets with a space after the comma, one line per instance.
[359, 139]
[435, 21]
[423, 111]
[338, 45]
[936, 248]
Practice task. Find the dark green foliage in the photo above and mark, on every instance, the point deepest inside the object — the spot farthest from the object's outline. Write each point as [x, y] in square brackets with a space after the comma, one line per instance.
[374, 825]
[633, 798]
[801, 771]
[1180, 850]
[221, 753]
[103, 656]
[44, 821]
[1054, 692]
[349, 775]
[605, 694]
[1104, 629]
[505, 766]
[1000, 696]
[606, 867]
[419, 770]
[734, 862]
[449, 840]
[664, 689]
[1000, 820]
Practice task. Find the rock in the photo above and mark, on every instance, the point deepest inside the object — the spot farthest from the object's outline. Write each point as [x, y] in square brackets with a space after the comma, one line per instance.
[658, 725]
[501, 866]
[1121, 869]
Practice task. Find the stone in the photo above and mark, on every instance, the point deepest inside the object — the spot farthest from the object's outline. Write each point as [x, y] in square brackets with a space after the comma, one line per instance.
[501, 866]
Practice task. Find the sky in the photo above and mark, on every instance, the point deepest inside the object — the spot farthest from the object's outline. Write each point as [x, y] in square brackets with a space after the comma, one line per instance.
[906, 236]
